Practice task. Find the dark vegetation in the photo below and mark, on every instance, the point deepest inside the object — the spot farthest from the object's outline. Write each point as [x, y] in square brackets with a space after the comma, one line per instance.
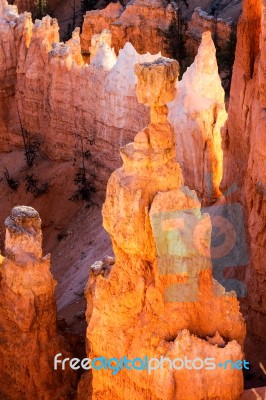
[175, 37]
[225, 54]
[82, 181]
[31, 148]
[31, 152]
[226, 59]
[41, 9]
[12, 183]
[33, 186]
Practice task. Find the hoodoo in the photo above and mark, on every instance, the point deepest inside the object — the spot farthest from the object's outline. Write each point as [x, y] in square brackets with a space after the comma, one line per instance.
[28, 335]
[160, 299]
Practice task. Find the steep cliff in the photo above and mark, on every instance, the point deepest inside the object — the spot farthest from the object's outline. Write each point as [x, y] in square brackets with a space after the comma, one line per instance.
[29, 338]
[160, 298]
[13, 31]
[244, 149]
[31, 5]
[25, 5]
[142, 23]
[201, 22]
[58, 97]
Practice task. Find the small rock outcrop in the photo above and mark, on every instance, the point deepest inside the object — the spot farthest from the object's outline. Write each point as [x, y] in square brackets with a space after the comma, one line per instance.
[160, 299]
[28, 335]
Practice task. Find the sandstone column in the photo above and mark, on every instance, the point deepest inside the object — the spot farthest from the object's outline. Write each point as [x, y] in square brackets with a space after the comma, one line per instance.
[28, 334]
[160, 298]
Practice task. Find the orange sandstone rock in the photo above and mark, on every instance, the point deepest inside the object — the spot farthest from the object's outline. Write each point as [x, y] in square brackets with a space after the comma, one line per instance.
[201, 22]
[160, 298]
[144, 23]
[28, 335]
[245, 151]
[198, 116]
[58, 95]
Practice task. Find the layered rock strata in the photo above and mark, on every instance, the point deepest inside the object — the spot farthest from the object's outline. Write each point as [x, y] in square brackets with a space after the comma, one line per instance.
[14, 30]
[160, 298]
[198, 116]
[28, 335]
[59, 97]
[144, 23]
[244, 147]
[201, 22]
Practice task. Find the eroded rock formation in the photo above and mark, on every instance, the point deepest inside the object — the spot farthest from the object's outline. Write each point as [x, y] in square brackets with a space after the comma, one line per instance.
[144, 23]
[160, 298]
[59, 96]
[244, 146]
[198, 116]
[28, 334]
[201, 22]
[13, 30]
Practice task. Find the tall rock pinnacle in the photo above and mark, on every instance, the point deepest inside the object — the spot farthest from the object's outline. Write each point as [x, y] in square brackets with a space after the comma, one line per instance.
[160, 299]
[28, 334]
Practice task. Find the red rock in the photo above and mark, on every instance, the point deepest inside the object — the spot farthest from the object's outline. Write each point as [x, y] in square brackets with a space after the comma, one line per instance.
[130, 310]
[143, 23]
[244, 149]
[29, 337]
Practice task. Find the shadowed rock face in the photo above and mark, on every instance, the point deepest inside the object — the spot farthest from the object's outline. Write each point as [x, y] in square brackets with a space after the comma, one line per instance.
[160, 298]
[28, 334]
[245, 152]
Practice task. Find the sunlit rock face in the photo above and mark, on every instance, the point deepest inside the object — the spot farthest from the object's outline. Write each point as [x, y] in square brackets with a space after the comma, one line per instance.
[198, 115]
[13, 30]
[48, 88]
[28, 335]
[160, 299]
[144, 23]
[245, 150]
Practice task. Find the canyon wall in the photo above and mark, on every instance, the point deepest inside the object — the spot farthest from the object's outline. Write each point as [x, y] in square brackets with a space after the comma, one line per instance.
[25, 5]
[30, 5]
[244, 150]
[159, 299]
[28, 335]
[144, 23]
[201, 22]
[13, 31]
[58, 97]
